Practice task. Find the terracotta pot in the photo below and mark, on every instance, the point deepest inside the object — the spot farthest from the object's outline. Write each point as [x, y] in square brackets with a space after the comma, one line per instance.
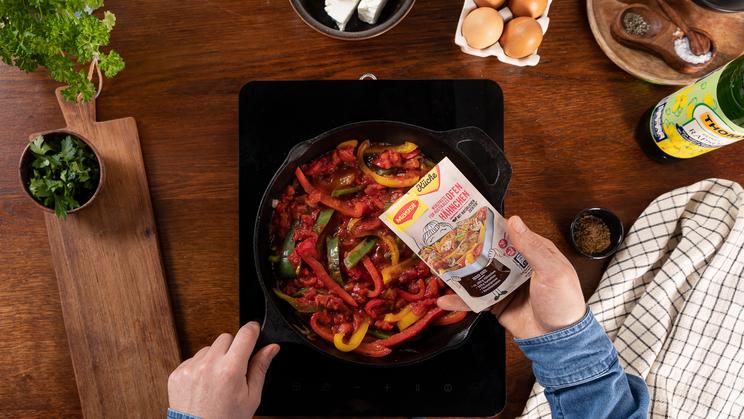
[27, 156]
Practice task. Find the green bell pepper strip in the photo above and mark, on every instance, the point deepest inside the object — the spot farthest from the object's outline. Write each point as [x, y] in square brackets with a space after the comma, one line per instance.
[346, 191]
[359, 251]
[287, 269]
[333, 253]
[302, 308]
[323, 218]
[379, 334]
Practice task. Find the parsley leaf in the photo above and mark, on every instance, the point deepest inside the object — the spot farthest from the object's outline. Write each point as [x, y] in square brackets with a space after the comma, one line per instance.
[65, 173]
[61, 35]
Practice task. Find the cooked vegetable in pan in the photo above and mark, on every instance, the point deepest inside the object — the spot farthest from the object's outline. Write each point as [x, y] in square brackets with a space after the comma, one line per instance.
[339, 266]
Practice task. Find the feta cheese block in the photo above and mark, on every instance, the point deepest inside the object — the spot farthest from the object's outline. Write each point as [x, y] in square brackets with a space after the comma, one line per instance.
[341, 11]
[369, 10]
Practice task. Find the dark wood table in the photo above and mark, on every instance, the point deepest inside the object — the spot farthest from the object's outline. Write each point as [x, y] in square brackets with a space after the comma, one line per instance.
[569, 124]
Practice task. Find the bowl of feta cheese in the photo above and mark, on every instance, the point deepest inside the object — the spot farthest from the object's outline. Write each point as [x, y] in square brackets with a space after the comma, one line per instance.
[352, 19]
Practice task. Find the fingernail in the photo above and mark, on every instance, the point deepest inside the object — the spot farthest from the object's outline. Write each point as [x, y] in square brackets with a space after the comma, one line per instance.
[518, 225]
[274, 351]
[254, 324]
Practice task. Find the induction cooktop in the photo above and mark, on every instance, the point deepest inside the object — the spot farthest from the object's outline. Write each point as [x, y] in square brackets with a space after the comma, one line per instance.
[276, 115]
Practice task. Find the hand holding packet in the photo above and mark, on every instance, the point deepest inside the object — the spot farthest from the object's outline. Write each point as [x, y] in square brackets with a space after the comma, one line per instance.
[448, 223]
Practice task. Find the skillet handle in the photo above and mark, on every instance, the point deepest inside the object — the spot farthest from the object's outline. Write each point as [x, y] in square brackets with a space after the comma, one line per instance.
[274, 329]
[479, 149]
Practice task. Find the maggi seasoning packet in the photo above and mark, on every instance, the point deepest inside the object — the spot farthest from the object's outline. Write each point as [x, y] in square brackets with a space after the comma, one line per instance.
[446, 221]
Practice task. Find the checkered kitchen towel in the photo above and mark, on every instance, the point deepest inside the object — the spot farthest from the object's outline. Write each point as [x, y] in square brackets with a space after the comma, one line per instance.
[672, 302]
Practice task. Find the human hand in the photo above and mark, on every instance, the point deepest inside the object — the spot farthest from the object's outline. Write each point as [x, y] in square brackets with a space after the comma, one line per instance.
[213, 383]
[553, 299]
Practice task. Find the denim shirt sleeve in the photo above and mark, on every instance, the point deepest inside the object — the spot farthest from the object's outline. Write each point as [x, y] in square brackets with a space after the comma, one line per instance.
[175, 414]
[579, 368]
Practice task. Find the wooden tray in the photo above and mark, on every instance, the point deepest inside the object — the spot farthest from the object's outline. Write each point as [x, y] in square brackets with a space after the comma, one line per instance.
[726, 28]
[112, 287]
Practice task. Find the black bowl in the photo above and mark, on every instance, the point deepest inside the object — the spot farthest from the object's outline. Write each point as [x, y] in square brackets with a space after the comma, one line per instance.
[617, 231]
[313, 13]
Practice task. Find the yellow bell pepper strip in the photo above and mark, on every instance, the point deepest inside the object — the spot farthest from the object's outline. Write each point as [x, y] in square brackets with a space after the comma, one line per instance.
[404, 148]
[355, 211]
[346, 191]
[286, 269]
[376, 278]
[389, 181]
[410, 318]
[354, 341]
[302, 308]
[394, 318]
[333, 254]
[359, 251]
[389, 272]
[324, 217]
[329, 283]
[411, 331]
[392, 247]
[349, 143]
[451, 318]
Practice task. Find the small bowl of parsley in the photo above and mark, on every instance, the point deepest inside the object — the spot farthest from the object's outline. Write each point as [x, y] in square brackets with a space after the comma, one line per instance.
[61, 172]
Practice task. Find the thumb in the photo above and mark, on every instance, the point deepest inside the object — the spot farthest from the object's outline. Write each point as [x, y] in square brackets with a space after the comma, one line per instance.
[452, 302]
[531, 245]
[258, 368]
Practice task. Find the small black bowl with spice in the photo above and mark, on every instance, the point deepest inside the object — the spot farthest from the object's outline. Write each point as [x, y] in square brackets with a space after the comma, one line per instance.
[596, 233]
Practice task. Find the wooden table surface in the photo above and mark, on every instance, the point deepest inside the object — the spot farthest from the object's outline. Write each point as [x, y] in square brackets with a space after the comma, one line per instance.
[569, 124]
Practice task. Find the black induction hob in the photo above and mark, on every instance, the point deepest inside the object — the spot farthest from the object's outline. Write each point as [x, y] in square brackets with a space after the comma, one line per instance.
[276, 115]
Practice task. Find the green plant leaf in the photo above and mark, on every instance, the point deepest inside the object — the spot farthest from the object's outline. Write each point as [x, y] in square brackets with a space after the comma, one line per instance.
[64, 173]
[61, 35]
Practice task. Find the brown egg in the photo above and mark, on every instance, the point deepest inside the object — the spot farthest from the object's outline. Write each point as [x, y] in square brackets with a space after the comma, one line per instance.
[482, 27]
[531, 8]
[521, 37]
[490, 3]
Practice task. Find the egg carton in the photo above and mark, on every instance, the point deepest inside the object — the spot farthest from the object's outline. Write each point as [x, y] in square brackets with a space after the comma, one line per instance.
[495, 50]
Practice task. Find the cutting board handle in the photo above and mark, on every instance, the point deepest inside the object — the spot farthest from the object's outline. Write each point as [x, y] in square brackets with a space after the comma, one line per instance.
[78, 115]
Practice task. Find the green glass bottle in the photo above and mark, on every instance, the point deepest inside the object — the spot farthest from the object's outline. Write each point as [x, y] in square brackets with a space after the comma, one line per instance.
[700, 118]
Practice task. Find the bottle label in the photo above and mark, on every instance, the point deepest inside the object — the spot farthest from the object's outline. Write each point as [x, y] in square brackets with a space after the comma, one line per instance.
[689, 122]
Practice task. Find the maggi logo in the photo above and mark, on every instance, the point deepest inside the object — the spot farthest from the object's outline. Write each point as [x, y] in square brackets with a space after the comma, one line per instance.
[405, 213]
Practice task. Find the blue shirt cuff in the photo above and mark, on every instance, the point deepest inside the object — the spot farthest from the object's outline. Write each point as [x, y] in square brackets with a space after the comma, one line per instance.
[576, 354]
[175, 414]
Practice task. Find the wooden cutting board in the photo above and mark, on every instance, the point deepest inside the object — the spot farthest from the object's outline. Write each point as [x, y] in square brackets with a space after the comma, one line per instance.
[112, 287]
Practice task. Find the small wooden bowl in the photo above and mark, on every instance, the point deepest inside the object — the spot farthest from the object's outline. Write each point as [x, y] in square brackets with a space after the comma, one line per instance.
[27, 156]
[312, 12]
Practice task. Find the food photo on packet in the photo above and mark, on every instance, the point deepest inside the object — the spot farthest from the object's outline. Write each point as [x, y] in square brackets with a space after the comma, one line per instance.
[372, 208]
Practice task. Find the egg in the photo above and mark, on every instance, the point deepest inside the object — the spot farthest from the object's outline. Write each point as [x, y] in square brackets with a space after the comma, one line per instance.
[521, 37]
[531, 8]
[490, 3]
[482, 27]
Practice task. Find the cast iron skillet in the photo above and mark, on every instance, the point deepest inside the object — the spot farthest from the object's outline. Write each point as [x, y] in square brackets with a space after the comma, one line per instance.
[470, 149]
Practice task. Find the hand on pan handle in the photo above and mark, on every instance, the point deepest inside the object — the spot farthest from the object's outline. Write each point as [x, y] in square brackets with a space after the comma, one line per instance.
[553, 299]
[218, 381]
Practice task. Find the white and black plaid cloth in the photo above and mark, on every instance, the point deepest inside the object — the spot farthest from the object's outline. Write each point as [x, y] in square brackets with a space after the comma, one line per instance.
[672, 302]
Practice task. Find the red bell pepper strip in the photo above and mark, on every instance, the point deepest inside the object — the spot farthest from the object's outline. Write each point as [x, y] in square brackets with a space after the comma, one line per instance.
[372, 350]
[356, 211]
[319, 329]
[412, 331]
[372, 305]
[414, 297]
[376, 278]
[451, 318]
[432, 288]
[329, 283]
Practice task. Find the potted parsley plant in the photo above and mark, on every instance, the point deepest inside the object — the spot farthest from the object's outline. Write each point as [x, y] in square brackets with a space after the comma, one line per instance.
[60, 170]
